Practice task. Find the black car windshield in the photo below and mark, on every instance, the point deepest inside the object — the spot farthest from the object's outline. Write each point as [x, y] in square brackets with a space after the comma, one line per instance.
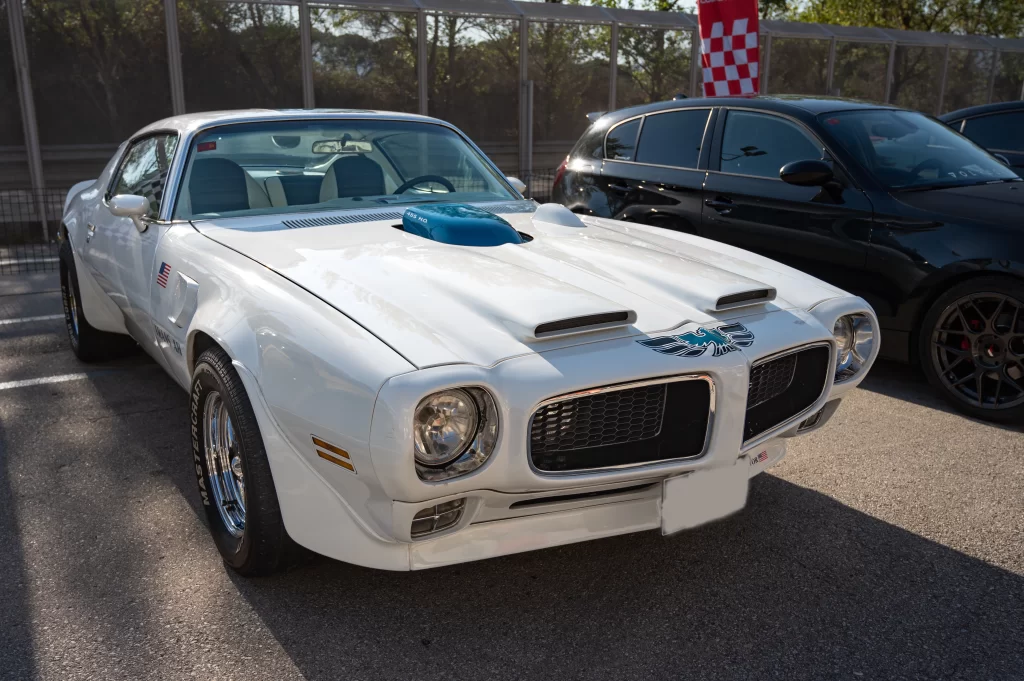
[286, 167]
[906, 150]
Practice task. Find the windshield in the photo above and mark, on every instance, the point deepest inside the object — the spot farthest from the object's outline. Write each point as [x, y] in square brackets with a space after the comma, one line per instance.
[287, 167]
[907, 150]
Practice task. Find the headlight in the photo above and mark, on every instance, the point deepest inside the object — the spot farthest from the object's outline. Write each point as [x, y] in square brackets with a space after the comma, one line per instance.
[855, 341]
[454, 431]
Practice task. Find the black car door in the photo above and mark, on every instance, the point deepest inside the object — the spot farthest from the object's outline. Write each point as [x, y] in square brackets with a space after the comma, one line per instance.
[999, 133]
[824, 231]
[650, 172]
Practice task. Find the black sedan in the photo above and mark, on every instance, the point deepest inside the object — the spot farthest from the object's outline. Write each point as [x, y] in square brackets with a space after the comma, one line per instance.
[997, 127]
[889, 204]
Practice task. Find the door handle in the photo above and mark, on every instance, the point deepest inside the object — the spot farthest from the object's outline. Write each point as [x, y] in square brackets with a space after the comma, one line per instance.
[620, 188]
[721, 204]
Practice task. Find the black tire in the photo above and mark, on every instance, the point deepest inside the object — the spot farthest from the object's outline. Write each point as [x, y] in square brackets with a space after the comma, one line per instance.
[88, 344]
[264, 546]
[991, 348]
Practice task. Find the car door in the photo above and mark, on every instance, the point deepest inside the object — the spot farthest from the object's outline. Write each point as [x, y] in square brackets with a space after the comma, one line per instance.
[652, 169]
[142, 173]
[824, 231]
[999, 133]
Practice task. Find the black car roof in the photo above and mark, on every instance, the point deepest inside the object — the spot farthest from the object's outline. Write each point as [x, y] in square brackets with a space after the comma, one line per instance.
[982, 109]
[779, 103]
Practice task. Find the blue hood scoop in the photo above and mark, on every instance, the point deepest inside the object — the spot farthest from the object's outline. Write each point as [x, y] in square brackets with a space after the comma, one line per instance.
[459, 225]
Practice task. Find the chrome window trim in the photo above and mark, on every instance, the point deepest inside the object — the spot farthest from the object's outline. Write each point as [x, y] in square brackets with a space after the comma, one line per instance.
[640, 130]
[815, 405]
[663, 380]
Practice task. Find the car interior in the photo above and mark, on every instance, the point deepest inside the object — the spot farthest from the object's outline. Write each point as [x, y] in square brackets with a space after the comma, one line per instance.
[266, 169]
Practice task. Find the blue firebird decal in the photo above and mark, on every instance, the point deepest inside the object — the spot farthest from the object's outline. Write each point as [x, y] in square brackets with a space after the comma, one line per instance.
[723, 340]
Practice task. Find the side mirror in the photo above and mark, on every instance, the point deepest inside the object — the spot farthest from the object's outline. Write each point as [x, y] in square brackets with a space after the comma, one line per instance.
[1002, 159]
[810, 173]
[517, 184]
[132, 206]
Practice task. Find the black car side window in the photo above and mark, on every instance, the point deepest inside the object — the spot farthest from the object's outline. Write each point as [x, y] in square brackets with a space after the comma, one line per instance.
[144, 169]
[672, 138]
[760, 144]
[998, 132]
[620, 144]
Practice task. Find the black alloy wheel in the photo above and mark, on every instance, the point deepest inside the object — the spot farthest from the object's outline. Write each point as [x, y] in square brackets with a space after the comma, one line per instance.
[973, 348]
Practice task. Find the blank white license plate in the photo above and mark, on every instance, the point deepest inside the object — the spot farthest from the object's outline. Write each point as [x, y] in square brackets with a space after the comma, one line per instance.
[702, 496]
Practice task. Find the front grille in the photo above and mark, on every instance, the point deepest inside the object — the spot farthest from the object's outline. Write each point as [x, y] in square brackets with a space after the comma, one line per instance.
[783, 388]
[770, 380]
[621, 427]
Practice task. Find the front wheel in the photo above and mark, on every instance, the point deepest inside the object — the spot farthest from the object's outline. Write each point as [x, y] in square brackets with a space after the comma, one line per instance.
[971, 348]
[233, 472]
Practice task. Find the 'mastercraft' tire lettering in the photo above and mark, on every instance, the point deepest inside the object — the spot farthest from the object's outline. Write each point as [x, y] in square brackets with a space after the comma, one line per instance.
[201, 479]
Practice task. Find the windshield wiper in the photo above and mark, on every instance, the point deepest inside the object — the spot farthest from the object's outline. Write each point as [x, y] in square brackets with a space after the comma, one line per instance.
[944, 185]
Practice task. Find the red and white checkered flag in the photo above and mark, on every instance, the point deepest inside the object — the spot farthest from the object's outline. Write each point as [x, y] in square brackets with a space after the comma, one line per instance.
[728, 47]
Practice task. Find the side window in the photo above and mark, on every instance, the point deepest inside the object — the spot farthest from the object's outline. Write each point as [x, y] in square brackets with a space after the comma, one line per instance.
[144, 169]
[620, 145]
[999, 131]
[673, 138]
[760, 144]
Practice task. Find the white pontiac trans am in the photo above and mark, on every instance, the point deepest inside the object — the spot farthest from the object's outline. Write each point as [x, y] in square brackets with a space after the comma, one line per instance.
[395, 360]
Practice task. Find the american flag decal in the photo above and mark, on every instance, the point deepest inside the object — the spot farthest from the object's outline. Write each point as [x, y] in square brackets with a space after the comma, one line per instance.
[162, 274]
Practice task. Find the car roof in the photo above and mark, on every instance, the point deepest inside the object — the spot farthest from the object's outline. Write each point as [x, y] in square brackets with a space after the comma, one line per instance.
[982, 109]
[188, 123]
[779, 103]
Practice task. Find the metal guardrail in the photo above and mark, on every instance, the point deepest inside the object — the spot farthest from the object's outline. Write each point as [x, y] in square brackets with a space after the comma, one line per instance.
[29, 221]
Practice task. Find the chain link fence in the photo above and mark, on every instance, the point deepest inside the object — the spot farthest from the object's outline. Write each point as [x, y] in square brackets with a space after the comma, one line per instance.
[28, 230]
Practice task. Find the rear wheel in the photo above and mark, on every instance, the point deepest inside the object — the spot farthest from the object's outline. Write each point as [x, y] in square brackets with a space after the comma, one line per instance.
[89, 344]
[972, 348]
[233, 472]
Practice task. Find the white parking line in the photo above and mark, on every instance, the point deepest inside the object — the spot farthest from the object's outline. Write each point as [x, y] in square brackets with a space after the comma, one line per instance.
[26, 320]
[42, 381]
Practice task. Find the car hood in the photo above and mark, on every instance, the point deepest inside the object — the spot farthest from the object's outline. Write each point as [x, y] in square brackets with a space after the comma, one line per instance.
[1001, 203]
[436, 303]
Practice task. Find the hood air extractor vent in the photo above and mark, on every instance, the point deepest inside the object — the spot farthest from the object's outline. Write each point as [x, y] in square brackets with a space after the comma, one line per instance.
[590, 322]
[744, 298]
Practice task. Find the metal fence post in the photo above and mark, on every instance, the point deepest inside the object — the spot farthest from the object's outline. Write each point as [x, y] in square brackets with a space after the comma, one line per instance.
[889, 71]
[177, 81]
[942, 84]
[831, 66]
[421, 61]
[767, 59]
[19, 49]
[696, 86]
[613, 59]
[992, 76]
[525, 101]
[306, 45]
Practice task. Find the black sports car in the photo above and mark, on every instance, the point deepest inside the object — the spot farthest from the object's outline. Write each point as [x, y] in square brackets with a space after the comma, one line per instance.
[890, 204]
[997, 127]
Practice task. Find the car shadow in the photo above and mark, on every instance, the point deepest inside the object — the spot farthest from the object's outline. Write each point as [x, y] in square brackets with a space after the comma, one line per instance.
[16, 646]
[906, 382]
[797, 586]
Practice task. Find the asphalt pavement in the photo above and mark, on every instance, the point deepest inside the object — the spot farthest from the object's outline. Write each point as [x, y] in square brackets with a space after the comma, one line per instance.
[888, 545]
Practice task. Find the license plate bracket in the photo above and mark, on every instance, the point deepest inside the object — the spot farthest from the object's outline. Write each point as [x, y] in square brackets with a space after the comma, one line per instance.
[688, 501]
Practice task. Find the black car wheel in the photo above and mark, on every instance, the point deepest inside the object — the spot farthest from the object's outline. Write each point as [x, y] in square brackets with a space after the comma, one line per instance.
[233, 474]
[972, 348]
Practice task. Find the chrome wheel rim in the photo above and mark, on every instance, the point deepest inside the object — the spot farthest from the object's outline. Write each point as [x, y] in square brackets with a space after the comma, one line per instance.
[224, 465]
[978, 350]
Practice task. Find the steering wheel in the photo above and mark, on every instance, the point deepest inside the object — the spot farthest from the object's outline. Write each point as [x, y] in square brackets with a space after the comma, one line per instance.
[928, 164]
[406, 186]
